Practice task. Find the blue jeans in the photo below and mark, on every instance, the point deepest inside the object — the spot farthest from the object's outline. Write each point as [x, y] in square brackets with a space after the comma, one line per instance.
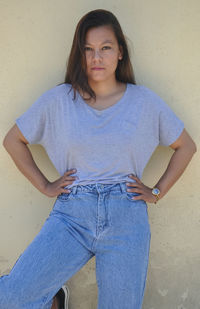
[96, 219]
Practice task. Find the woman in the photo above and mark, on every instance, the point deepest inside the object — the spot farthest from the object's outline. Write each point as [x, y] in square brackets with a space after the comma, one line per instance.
[108, 131]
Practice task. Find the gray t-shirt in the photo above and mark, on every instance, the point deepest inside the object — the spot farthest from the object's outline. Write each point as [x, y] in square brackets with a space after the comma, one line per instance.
[104, 146]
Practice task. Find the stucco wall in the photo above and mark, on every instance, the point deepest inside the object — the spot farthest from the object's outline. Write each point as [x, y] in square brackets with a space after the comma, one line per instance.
[36, 37]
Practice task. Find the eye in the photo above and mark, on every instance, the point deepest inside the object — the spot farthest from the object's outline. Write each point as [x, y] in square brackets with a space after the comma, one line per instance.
[87, 48]
[107, 47]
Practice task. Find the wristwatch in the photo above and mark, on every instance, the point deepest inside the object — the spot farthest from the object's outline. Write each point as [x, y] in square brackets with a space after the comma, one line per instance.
[156, 192]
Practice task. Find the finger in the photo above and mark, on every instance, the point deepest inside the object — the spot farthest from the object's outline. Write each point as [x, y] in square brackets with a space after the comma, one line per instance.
[69, 178]
[72, 171]
[65, 183]
[136, 178]
[62, 190]
[134, 184]
[135, 191]
[138, 197]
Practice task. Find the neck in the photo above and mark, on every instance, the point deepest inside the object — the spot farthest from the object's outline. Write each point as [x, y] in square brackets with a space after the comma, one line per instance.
[104, 88]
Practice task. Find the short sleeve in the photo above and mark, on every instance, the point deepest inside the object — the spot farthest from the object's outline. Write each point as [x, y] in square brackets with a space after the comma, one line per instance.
[170, 125]
[166, 125]
[33, 122]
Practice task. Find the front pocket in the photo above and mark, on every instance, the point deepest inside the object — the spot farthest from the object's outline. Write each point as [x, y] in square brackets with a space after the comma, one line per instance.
[61, 200]
[63, 197]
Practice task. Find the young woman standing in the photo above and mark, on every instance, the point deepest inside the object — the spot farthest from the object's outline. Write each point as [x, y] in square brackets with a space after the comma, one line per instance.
[108, 131]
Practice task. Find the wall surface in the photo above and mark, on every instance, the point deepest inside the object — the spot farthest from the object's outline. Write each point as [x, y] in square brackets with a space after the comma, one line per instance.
[164, 39]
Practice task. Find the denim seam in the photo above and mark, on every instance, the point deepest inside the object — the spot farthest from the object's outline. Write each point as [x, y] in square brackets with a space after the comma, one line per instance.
[146, 269]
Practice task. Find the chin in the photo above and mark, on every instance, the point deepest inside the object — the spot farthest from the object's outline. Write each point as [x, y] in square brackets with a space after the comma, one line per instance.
[97, 79]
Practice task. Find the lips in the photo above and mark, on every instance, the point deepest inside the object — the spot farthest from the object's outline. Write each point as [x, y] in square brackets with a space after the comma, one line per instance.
[97, 68]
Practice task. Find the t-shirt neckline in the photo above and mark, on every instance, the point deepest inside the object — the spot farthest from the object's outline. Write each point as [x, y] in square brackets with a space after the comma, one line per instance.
[107, 109]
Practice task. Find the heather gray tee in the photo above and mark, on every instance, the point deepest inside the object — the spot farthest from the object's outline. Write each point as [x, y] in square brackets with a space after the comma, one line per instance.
[104, 146]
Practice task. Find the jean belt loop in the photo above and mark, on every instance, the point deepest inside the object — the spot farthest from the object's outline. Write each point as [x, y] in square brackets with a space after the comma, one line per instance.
[122, 186]
[74, 189]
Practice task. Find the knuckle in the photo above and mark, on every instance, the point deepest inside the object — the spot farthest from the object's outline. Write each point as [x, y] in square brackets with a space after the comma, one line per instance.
[70, 181]
[71, 178]
[67, 183]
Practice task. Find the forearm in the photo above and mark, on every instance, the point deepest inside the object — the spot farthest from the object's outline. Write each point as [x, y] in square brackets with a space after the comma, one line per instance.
[177, 164]
[24, 161]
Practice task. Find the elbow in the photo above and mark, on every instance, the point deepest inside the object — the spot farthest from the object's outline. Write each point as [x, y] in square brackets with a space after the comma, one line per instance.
[191, 145]
[9, 142]
[5, 142]
[194, 147]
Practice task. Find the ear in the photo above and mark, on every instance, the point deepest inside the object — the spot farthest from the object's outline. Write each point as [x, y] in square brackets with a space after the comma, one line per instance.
[120, 52]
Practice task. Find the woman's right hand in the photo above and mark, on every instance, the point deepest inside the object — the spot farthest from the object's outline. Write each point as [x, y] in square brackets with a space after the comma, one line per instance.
[55, 188]
[16, 145]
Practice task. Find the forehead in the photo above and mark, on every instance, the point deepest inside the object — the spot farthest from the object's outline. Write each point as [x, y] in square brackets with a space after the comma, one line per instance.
[100, 35]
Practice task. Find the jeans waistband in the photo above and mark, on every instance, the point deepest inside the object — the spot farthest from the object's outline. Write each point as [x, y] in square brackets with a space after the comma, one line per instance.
[100, 187]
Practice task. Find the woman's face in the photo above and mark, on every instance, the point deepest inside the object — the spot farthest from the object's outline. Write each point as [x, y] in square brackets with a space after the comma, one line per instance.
[101, 51]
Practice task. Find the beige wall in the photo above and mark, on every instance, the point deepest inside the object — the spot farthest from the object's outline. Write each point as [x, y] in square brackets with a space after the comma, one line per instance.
[164, 36]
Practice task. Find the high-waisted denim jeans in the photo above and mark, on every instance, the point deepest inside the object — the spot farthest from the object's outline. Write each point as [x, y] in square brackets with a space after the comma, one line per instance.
[96, 219]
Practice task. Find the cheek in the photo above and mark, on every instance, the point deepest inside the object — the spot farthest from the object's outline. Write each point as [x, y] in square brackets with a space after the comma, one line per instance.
[113, 58]
[113, 62]
[88, 61]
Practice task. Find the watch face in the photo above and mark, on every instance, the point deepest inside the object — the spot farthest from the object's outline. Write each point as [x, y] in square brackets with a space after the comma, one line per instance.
[155, 191]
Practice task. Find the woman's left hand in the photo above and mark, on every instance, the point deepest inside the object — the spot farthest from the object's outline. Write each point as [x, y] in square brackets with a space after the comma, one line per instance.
[139, 187]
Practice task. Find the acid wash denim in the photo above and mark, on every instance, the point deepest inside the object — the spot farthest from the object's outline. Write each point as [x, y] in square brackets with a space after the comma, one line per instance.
[95, 219]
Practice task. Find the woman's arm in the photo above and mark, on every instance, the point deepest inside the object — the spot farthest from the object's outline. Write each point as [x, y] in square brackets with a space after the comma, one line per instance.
[184, 148]
[16, 145]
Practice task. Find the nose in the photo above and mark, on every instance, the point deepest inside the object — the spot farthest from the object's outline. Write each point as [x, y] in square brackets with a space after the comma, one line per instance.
[96, 54]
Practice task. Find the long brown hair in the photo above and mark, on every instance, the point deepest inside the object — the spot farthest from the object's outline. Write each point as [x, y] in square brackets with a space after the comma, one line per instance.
[76, 64]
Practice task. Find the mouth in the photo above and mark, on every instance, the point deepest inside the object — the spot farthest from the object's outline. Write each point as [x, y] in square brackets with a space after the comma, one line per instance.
[97, 68]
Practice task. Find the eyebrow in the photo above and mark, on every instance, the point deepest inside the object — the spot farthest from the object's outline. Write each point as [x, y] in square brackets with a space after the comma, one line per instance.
[107, 41]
